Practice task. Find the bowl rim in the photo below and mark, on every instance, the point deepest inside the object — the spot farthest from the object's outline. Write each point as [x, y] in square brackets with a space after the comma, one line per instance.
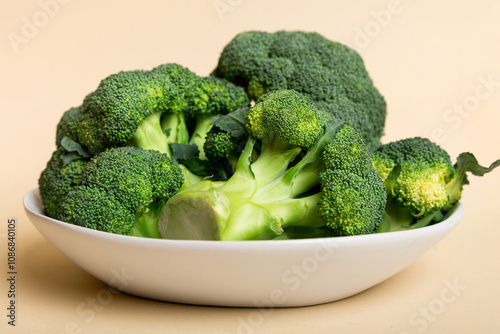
[33, 206]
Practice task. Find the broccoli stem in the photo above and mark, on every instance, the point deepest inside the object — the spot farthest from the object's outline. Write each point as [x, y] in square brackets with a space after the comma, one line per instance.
[274, 159]
[146, 222]
[190, 178]
[174, 127]
[150, 135]
[203, 125]
[299, 179]
[155, 133]
[397, 218]
[251, 204]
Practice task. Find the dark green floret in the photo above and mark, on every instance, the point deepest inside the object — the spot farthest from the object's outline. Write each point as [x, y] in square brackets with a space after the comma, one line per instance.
[150, 109]
[62, 173]
[422, 183]
[290, 182]
[168, 109]
[225, 141]
[68, 125]
[123, 190]
[333, 76]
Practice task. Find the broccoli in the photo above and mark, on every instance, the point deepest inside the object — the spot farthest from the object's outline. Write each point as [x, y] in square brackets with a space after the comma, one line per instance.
[167, 109]
[225, 141]
[421, 181]
[147, 108]
[123, 190]
[312, 171]
[67, 126]
[62, 173]
[330, 74]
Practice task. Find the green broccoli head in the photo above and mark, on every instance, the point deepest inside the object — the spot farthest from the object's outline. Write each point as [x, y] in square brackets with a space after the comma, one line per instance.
[421, 181]
[280, 111]
[225, 140]
[62, 173]
[352, 204]
[425, 170]
[220, 146]
[133, 108]
[289, 182]
[123, 191]
[333, 76]
[67, 125]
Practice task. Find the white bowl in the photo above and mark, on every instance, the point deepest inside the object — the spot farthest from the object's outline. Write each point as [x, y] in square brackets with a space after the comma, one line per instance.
[281, 273]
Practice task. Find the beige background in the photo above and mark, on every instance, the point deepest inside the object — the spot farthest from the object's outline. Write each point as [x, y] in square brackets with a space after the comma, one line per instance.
[429, 59]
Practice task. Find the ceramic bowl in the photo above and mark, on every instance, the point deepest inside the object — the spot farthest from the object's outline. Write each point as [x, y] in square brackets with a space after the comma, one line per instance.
[271, 273]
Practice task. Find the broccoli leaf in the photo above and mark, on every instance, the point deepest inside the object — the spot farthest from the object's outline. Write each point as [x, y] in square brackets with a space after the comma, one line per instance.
[232, 123]
[184, 151]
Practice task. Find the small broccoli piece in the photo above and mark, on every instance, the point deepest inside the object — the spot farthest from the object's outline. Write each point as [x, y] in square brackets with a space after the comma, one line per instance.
[352, 204]
[143, 108]
[225, 141]
[67, 125]
[123, 190]
[292, 183]
[421, 181]
[62, 173]
[333, 76]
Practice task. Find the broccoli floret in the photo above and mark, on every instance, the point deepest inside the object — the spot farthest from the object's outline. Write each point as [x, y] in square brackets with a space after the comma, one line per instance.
[67, 125]
[61, 174]
[155, 110]
[123, 190]
[421, 181]
[333, 76]
[57, 179]
[143, 108]
[293, 182]
[225, 141]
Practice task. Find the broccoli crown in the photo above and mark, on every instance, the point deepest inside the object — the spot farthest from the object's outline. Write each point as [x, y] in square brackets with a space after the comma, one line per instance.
[354, 196]
[352, 204]
[219, 145]
[333, 76]
[112, 114]
[426, 169]
[292, 181]
[225, 140]
[62, 173]
[122, 191]
[280, 111]
[422, 183]
[67, 125]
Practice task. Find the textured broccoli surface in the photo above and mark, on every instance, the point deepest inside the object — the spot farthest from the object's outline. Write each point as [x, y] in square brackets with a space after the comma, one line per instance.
[168, 109]
[421, 181]
[123, 190]
[333, 76]
[58, 178]
[151, 109]
[311, 171]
